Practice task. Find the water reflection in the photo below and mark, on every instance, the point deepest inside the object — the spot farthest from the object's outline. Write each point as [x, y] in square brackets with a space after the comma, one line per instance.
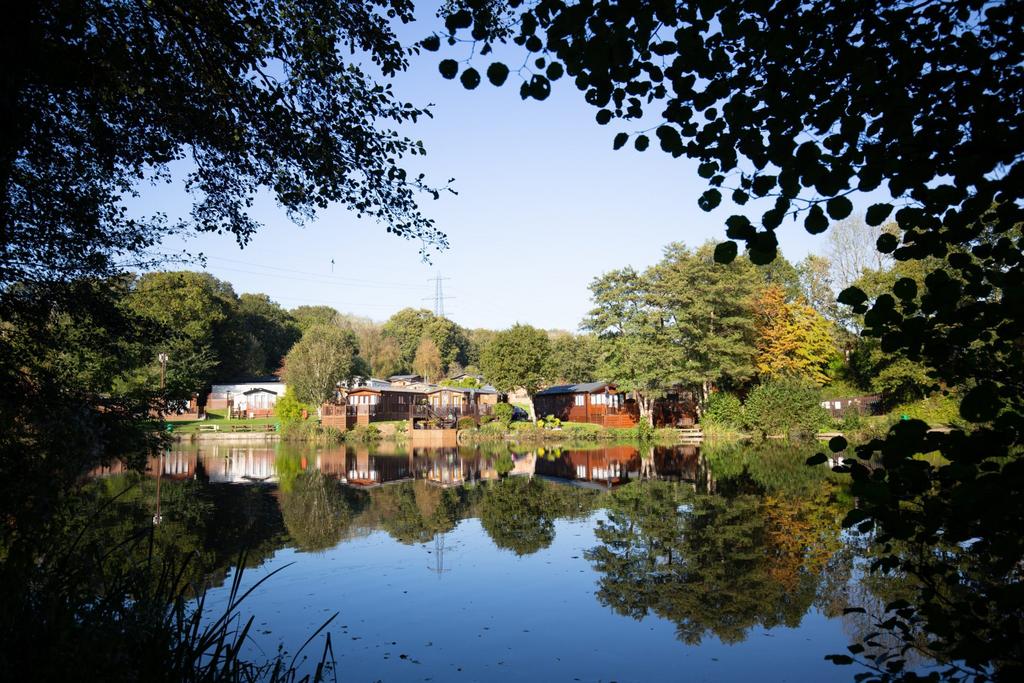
[714, 541]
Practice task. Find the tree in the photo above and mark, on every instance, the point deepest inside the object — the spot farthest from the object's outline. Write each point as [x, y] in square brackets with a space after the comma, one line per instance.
[852, 250]
[267, 330]
[572, 358]
[792, 339]
[193, 315]
[516, 358]
[323, 357]
[382, 353]
[636, 350]
[707, 308]
[409, 326]
[817, 286]
[427, 362]
[164, 86]
[307, 316]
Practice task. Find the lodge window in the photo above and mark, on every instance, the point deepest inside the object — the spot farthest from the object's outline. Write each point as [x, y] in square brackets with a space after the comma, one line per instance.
[579, 399]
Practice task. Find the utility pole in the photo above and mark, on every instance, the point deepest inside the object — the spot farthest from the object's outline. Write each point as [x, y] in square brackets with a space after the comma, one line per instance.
[439, 296]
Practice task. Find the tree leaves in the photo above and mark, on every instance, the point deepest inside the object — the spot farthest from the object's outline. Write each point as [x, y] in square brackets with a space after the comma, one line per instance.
[470, 78]
[620, 140]
[815, 222]
[448, 68]
[497, 73]
[877, 213]
[431, 43]
[839, 208]
[709, 200]
[725, 252]
[641, 143]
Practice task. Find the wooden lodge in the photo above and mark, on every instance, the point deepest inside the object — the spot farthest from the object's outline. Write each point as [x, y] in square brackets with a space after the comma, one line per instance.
[601, 403]
[594, 402]
[413, 401]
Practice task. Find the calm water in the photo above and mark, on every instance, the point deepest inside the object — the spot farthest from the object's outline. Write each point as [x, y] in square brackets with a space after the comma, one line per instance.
[603, 564]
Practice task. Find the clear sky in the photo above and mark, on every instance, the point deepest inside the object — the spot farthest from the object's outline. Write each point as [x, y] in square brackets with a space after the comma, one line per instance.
[544, 205]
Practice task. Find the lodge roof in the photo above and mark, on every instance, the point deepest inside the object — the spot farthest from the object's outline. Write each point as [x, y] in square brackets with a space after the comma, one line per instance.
[584, 388]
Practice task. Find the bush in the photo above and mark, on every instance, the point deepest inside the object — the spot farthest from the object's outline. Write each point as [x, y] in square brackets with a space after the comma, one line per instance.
[549, 422]
[466, 423]
[503, 413]
[581, 430]
[363, 434]
[785, 407]
[289, 408]
[935, 410]
[484, 419]
[724, 410]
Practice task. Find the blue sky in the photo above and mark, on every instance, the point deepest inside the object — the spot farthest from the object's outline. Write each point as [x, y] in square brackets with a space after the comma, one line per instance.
[544, 205]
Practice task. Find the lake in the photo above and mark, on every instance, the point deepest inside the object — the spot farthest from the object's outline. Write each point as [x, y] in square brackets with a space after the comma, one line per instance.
[581, 563]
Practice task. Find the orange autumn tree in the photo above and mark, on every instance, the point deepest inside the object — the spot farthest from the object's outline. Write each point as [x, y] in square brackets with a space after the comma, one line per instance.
[793, 340]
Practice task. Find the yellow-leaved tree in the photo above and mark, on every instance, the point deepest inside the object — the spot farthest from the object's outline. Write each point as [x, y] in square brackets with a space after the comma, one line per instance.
[793, 340]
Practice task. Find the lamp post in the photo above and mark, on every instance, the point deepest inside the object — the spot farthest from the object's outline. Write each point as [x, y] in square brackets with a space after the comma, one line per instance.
[162, 357]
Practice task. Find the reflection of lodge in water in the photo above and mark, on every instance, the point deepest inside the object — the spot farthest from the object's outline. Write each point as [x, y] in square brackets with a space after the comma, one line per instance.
[218, 464]
[365, 469]
[679, 463]
[617, 465]
[605, 466]
[447, 467]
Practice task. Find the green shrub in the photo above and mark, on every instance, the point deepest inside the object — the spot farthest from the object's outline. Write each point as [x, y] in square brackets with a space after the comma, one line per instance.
[484, 419]
[503, 413]
[785, 407]
[852, 420]
[644, 430]
[363, 434]
[935, 410]
[466, 423]
[289, 408]
[581, 430]
[492, 428]
[549, 422]
[724, 410]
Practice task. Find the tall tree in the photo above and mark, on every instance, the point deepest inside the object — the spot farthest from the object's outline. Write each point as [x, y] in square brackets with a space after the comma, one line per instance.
[636, 350]
[792, 339]
[308, 316]
[817, 285]
[707, 308]
[324, 356]
[515, 359]
[410, 325]
[268, 332]
[194, 313]
[427, 363]
[853, 251]
[572, 358]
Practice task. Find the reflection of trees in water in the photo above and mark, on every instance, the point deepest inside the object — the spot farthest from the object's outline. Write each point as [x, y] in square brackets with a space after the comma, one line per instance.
[413, 512]
[317, 510]
[712, 564]
[204, 528]
[514, 515]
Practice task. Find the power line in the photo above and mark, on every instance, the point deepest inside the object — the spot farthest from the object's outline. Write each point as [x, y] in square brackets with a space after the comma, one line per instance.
[335, 278]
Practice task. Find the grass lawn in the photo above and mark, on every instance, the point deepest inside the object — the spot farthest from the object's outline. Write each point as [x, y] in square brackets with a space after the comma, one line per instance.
[223, 424]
